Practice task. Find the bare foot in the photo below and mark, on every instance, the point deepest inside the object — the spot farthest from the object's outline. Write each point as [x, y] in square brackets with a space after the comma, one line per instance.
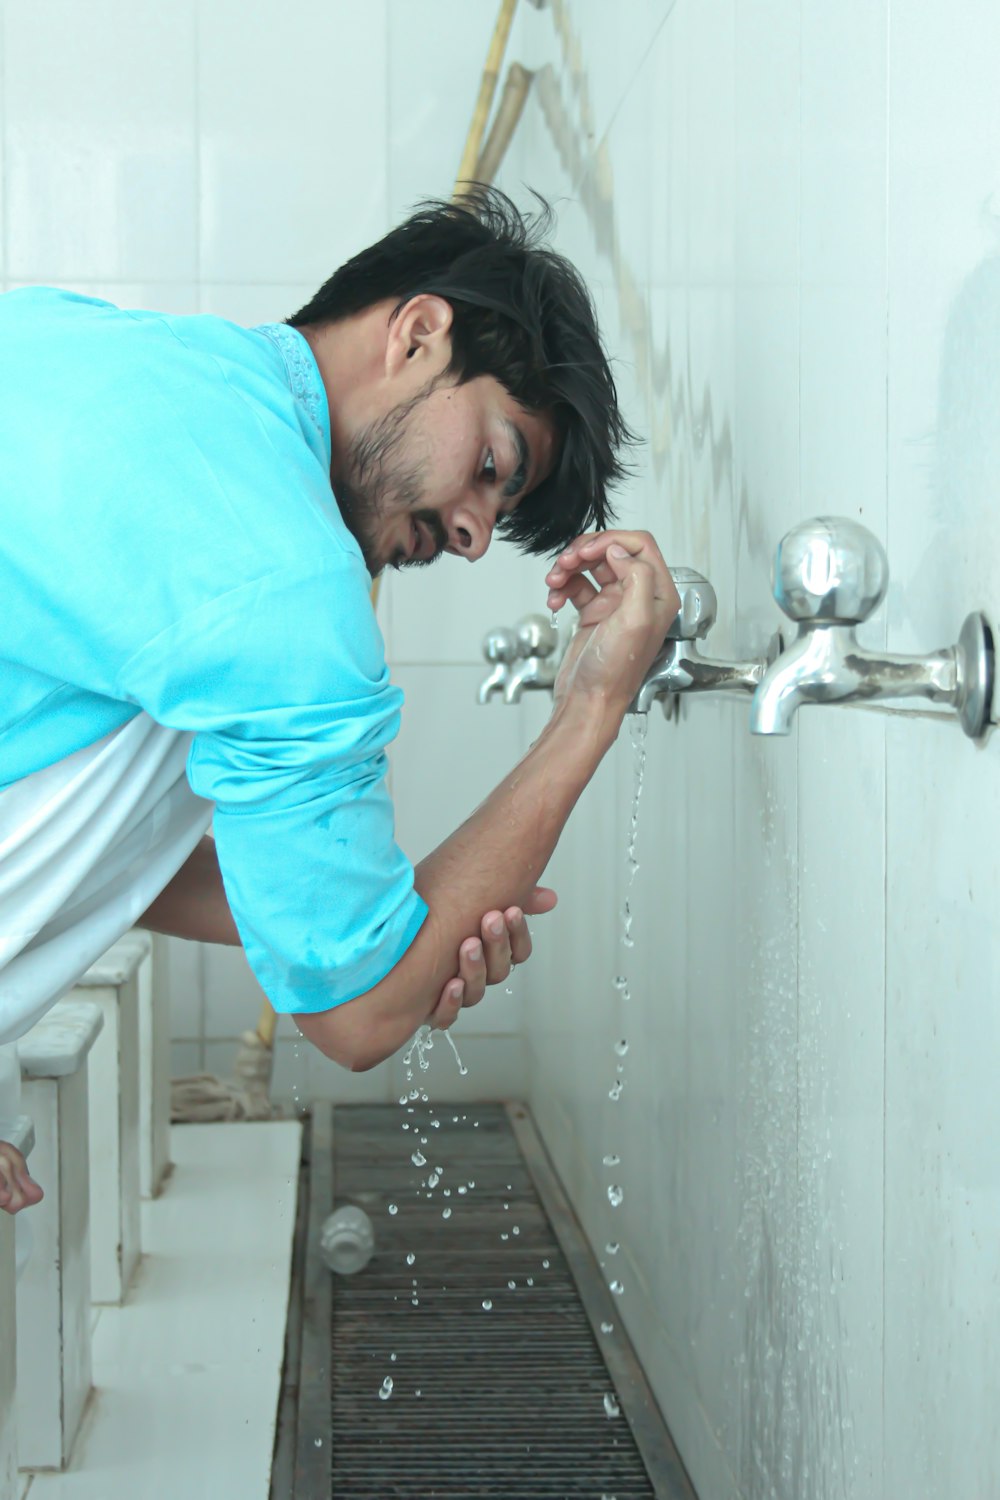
[17, 1188]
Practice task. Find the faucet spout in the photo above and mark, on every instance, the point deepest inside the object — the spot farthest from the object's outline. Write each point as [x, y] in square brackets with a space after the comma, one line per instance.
[794, 678]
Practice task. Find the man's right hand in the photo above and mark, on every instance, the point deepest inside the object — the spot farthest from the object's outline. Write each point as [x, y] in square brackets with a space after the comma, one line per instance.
[626, 600]
[17, 1188]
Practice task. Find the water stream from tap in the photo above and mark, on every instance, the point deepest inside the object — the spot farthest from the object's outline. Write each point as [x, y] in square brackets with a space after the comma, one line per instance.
[638, 725]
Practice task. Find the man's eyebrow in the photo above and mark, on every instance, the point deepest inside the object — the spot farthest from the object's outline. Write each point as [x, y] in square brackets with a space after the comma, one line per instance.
[519, 478]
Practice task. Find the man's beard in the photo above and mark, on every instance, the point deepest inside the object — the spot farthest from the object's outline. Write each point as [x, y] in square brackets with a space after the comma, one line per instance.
[378, 482]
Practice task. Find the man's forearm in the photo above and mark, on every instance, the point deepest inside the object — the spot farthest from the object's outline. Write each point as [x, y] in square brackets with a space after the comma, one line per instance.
[494, 860]
[193, 905]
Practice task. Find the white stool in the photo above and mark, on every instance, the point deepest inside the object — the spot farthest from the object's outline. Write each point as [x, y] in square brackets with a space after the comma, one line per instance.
[19, 1133]
[53, 1295]
[113, 984]
[154, 1058]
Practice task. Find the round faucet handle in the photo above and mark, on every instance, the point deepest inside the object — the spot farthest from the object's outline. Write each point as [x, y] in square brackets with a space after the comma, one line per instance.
[831, 570]
[699, 606]
[536, 636]
[500, 645]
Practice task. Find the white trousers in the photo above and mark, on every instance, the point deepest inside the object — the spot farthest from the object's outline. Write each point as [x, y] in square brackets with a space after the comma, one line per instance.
[85, 846]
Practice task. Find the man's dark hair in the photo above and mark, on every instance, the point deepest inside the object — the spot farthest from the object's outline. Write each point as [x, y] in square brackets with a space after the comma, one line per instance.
[522, 314]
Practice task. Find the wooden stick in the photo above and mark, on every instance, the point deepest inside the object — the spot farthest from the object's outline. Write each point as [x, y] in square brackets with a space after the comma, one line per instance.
[505, 121]
[487, 88]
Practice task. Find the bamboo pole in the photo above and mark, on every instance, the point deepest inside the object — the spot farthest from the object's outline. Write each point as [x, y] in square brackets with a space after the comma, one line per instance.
[487, 88]
[505, 121]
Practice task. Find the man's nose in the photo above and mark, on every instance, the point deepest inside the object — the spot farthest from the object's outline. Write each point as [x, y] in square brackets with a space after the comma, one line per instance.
[470, 533]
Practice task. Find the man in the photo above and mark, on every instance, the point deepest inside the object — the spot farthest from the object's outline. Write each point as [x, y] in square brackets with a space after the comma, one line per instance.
[192, 515]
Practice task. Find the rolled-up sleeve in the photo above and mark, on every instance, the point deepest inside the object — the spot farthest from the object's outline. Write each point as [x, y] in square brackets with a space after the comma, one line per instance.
[284, 683]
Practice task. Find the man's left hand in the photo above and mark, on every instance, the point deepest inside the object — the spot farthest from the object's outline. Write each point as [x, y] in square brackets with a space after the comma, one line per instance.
[488, 959]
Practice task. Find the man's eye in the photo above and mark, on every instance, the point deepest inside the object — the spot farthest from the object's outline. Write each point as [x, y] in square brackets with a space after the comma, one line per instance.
[490, 467]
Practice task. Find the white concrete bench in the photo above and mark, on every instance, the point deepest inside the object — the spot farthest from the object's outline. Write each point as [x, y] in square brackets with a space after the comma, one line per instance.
[154, 1065]
[19, 1133]
[113, 985]
[53, 1295]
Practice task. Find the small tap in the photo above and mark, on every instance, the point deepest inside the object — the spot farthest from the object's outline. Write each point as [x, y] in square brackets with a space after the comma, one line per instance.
[679, 667]
[830, 574]
[536, 644]
[499, 647]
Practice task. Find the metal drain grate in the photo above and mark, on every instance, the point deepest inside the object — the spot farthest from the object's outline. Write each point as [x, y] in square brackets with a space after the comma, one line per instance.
[509, 1401]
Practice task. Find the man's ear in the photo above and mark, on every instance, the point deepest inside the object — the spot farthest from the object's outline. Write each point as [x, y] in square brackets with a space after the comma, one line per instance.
[420, 335]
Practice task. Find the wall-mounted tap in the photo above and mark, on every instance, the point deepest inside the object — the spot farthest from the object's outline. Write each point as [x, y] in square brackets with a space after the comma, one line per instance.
[499, 647]
[680, 668]
[536, 666]
[524, 658]
[829, 575]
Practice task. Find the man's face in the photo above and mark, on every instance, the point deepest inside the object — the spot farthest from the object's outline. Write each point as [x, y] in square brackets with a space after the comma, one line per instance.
[435, 471]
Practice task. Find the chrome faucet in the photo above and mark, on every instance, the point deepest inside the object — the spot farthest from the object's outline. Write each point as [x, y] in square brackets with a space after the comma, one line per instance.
[679, 667]
[830, 574]
[536, 667]
[499, 647]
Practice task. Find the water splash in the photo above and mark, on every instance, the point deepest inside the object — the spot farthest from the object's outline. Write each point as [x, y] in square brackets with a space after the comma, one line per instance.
[451, 1043]
[422, 1044]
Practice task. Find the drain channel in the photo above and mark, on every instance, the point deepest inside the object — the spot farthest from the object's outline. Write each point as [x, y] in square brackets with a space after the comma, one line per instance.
[513, 1400]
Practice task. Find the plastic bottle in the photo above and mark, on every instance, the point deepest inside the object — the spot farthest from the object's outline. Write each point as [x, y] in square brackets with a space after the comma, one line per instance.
[347, 1240]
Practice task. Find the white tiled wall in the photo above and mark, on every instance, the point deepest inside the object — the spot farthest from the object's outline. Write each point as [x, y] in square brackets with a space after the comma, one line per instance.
[788, 213]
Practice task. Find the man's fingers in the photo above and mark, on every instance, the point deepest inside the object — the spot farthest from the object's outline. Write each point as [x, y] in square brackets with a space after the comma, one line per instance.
[472, 970]
[496, 946]
[520, 937]
[542, 899]
[444, 1013]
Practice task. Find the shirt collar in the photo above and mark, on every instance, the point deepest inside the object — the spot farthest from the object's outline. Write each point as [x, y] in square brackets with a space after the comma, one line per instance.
[304, 379]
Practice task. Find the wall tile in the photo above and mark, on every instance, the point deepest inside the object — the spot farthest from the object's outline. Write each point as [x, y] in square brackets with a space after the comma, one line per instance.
[184, 967]
[290, 186]
[428, 124]
[233, 998]
[101, 161]
[253, 304]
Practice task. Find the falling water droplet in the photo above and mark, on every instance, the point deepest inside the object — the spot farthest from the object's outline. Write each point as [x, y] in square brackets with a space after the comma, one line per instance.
[612, 1160]
[611, 1407]
[621, 1047]
[615, 1195]
[446, 1213]
[512, 1285]
[621, 983]
[434, 1178]
[487, 1305]
[386, 1389]
[514, 1229]
[545, 1265]
[410, 1258]
[317, 1442]
[462, 1190]
[393, 1208]
[607, 1327]
[617, 1288]
[419, 1159]
[612, 1247]
[615, 1091]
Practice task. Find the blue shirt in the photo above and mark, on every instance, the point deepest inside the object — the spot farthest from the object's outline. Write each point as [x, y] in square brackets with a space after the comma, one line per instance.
[170, 543]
